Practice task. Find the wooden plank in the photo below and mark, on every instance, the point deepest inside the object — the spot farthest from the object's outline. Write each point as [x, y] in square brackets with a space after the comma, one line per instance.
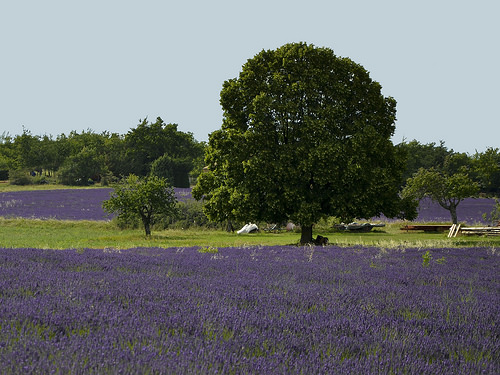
[488, 231]
[452, 231]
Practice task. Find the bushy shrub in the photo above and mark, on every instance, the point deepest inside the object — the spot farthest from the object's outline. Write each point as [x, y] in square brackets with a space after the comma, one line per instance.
[41, 180]
[189, 214]
[108, 178]
[127, 223]
[20, 177]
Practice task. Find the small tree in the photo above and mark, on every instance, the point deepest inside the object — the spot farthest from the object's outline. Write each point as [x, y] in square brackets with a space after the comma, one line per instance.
[447, 190]
[149, 199]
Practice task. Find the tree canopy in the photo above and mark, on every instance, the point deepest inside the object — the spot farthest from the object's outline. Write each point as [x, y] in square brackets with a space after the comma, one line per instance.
[305, 134]
[152, 140]
[76, 156]
[150, 199]
[486, 168]
[423, 156]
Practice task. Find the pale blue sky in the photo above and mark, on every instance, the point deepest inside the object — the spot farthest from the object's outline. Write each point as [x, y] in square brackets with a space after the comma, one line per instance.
[103, 65]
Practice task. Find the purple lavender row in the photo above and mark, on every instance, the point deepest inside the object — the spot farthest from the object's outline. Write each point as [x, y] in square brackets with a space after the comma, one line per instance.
[65, 204]
[275, 310]
[86, 204]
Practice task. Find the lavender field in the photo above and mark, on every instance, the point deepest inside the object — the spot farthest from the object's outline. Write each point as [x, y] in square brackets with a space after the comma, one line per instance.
[469, 211]
[64, 204]
[256, 310]
[85, 204]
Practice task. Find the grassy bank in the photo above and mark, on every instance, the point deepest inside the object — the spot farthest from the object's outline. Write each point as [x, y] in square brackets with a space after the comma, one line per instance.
[56, 234]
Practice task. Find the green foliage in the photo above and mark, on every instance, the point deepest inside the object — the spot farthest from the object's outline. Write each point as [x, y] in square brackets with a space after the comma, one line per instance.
[457, 163]
[483, 168]
[426, 258]
[189, 214]
[82, 168]
[24, 177]
[423, 156]
[174, 170]
[486, 167]
[209, 250]
[150, 199]
[447, 190]
[6, 157]
[494, 216]
[150, 141]
[41, 180]
[305, 134]
[441, 260]
[20, 177]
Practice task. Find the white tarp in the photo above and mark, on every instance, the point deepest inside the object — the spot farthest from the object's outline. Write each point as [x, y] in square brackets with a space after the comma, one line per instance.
[248, 228]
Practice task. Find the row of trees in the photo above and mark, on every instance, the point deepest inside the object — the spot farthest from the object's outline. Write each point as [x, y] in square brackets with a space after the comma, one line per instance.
[150, 200]
[448, 177]
[77, 158]
[483, 168]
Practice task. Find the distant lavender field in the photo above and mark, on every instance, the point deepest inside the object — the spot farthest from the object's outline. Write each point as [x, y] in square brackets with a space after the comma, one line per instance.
[250, 310]
[65, 204]
[469, 211]
[85, 204]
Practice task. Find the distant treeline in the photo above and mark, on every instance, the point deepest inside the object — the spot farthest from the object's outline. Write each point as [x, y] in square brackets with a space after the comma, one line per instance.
[161, 149]
[88, 157]
[483, 168]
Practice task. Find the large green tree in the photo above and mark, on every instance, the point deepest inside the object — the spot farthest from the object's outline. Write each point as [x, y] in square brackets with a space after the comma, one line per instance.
[149, 199]
[305, 134]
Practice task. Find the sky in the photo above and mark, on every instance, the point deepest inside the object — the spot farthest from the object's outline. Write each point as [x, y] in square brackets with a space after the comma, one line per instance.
[104, 65]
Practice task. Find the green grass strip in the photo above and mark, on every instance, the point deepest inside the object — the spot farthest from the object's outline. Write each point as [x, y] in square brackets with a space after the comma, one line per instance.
[57, 234]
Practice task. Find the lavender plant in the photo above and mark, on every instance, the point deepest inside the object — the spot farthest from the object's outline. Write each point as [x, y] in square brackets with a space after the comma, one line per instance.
[249, 310]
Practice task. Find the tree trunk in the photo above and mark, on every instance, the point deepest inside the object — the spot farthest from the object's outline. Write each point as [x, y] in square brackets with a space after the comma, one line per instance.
[306, 234]
[453, 212]
[147, 226]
